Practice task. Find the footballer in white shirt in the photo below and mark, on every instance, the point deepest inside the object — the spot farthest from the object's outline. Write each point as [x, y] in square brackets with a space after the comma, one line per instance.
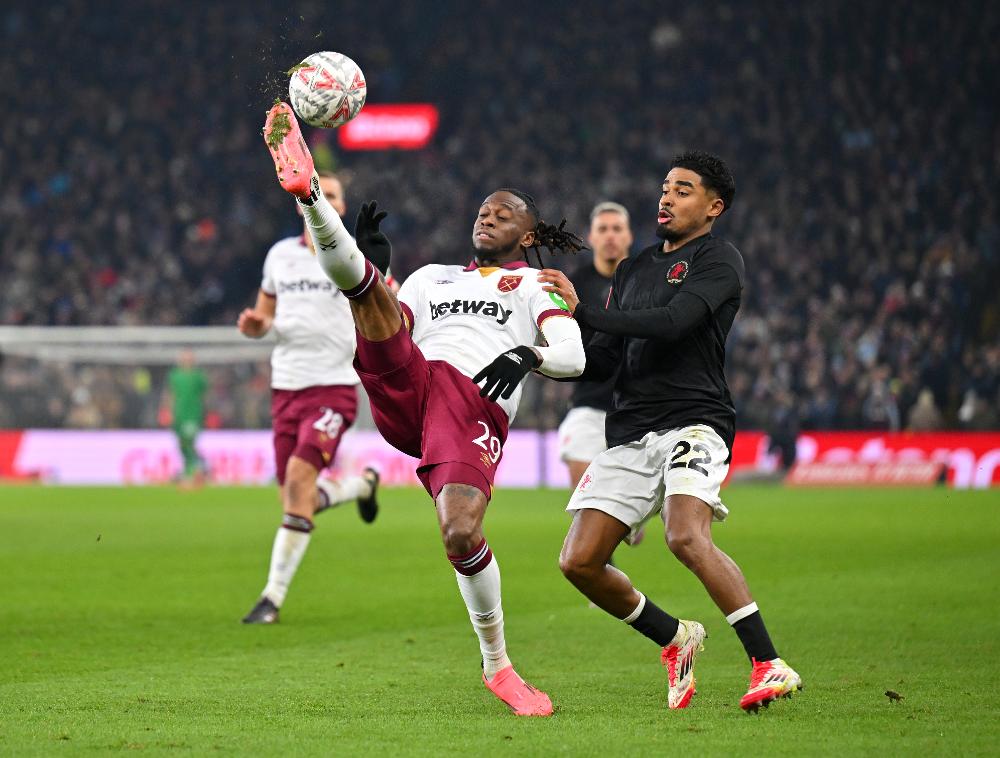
[421, 356]
[314, 398]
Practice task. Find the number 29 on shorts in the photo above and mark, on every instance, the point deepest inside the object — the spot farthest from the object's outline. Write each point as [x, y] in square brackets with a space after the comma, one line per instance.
[488, 442]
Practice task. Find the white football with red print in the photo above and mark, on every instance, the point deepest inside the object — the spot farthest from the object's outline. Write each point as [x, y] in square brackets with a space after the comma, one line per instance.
[327, 89]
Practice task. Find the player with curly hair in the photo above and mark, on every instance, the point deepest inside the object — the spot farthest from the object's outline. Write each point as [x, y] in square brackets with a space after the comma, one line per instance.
[671, 431]
[420, 357]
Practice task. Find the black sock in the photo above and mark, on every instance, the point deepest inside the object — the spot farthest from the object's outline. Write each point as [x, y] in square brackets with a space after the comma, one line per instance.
[656, 624]
[756, 641]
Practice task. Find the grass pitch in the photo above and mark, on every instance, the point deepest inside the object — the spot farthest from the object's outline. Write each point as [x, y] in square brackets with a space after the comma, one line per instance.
[120, 608]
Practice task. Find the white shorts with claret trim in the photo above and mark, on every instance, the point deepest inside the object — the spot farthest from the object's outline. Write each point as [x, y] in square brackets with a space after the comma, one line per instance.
[631, 482]
[581, 435]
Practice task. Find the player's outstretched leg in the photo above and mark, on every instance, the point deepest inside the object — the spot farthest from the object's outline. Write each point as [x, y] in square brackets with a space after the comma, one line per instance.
[338, 253]
[376, 311]
[460, 510]
[592, 538]
[363, 489]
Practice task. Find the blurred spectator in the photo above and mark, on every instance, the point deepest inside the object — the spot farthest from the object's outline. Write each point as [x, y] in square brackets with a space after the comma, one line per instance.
[879, 410]
[925, 417]
[977, 413]
[136, 190]
[783, 430]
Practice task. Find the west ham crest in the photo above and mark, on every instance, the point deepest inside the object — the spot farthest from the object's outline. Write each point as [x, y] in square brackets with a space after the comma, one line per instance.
[677, 272]
[508, 283]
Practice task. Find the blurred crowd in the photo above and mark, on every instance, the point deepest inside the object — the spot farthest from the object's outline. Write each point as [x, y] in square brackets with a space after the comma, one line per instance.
[862, 135]
[120, 396]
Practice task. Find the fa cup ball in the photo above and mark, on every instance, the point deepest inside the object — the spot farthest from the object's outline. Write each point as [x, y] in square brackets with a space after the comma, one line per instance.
[327, 89]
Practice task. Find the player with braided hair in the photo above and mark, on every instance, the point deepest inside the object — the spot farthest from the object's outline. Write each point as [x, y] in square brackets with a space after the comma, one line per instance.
[421, 355]
[554, 238]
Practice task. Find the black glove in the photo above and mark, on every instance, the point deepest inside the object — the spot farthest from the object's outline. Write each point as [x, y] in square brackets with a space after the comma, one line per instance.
[371, 242]
[506, 372]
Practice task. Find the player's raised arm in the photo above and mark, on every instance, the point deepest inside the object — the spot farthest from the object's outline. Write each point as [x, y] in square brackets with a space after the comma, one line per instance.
[602, 351]
[711, 282]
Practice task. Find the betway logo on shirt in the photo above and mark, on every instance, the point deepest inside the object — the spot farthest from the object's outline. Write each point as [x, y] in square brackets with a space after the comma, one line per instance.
[305, 285]
[475, 307]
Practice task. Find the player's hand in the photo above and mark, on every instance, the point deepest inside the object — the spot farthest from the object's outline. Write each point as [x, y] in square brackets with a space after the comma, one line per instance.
[506, 372]
[371, 241]
[556, 281]
[253, 324]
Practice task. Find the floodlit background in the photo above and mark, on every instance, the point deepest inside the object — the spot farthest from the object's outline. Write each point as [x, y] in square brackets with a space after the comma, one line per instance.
[137, 203]
[863, 137]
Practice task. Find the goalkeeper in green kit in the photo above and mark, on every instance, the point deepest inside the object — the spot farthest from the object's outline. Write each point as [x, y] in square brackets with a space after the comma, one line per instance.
[186, 386]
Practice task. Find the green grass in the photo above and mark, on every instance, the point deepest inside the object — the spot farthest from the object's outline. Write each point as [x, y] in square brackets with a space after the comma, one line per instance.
[119, 629]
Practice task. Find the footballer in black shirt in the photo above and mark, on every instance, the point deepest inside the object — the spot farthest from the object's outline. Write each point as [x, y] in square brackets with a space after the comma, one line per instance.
[671, 430]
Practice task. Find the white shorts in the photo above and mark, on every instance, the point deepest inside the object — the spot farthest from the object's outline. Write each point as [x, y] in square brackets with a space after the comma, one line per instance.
[632, 481]
[581, 435]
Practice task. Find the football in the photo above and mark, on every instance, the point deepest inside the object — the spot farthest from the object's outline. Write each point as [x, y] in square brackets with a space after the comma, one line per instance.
[327, 89]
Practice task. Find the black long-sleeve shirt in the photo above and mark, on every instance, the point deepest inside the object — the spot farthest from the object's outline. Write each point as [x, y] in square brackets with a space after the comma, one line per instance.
[593, 287]
[664, 330]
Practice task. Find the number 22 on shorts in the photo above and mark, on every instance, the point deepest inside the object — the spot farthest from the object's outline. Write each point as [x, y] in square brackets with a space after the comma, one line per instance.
[695, 463]
[488, 442]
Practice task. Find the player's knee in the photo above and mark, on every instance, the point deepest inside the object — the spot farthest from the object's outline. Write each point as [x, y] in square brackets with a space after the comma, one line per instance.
[576, 567]
[687, 545]
[460, 536]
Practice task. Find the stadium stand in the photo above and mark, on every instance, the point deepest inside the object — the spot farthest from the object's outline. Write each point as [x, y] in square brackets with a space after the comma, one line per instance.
[136, 190]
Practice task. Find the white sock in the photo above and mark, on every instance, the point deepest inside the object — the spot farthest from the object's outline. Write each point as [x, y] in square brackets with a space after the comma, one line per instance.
[638, 610]
[343, 490]
[481, 593]
[336, 249]
[286, 555]
[741, 613]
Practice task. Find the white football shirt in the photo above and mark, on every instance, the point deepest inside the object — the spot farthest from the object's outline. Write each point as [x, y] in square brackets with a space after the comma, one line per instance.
[468, 316]
[312, 320]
